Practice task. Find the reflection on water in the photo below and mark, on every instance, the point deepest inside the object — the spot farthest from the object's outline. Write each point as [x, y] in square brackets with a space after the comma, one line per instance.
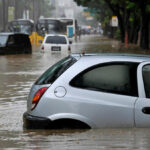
[17, 74]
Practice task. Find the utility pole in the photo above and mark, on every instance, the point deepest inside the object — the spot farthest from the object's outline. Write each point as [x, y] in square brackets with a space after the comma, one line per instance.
[15, 5]
[33, 9]
[56, 8]
[3, 10]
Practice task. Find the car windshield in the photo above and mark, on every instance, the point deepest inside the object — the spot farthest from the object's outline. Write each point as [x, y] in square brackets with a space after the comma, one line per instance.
[3, 39]
[25, 29]
[56, 70]
[56, 40]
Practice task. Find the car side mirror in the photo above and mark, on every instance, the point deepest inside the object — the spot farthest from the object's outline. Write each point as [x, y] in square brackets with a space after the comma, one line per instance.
[70, 42]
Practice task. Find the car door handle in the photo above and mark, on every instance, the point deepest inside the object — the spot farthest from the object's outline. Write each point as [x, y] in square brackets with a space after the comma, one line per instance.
[146, 110]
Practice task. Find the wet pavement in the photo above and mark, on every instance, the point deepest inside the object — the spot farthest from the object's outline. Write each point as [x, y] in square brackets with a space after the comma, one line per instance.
[17, 74]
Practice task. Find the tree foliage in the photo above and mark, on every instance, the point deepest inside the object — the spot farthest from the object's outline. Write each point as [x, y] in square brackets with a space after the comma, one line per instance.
[133, 16]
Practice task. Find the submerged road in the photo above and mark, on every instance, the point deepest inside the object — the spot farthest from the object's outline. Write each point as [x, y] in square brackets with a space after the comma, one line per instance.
[19, 72]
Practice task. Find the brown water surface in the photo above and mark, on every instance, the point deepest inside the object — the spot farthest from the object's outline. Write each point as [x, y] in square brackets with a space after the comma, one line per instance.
[17, 74]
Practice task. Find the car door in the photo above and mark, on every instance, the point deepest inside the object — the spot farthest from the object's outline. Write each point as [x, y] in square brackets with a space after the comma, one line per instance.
[11, 46]
[142, 105]
[106, 95]
[18, 44]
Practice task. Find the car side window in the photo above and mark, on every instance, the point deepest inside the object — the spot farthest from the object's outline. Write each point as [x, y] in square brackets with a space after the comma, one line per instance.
[117, 78]
[146, 79]
[11, 40]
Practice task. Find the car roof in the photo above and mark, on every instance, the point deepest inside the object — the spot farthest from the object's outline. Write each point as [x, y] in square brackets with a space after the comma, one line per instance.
[6, 33]
[112, 57]
[12, 33]
[48, 19]
[30, 20]
[56, 35]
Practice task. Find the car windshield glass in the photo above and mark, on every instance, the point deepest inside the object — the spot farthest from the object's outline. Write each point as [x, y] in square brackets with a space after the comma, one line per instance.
[56, 70]
[67, 21]
[25, 29]
[3, 39]
[56, 40]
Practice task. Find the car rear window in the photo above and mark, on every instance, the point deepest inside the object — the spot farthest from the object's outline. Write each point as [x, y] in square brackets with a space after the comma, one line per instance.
[56, 40]
[56, 70]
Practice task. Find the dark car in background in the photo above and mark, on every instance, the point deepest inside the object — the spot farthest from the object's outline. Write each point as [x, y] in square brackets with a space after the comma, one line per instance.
[14, 43]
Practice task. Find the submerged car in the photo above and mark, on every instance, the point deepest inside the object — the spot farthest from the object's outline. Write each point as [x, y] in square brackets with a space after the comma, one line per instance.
[92, 91]
[14, 43]
[55, 43]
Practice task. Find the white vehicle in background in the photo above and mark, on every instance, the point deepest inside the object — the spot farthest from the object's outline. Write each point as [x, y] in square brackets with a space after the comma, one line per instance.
[55, 43]
[70, 27]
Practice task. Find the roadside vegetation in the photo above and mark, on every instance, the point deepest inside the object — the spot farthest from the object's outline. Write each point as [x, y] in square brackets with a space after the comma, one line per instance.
[133, 18]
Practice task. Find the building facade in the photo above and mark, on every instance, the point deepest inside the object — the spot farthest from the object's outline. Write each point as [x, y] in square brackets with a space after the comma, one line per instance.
[65, 8]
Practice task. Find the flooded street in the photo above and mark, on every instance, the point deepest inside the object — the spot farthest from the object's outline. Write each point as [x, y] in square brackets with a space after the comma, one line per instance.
[17, 74]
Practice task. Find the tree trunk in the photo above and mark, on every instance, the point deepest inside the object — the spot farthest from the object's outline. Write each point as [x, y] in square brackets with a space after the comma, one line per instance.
[5, 14]
[115, 9]
[144, 43]
[134, 30]
[122, 29]
[145, 17]
[136, 34]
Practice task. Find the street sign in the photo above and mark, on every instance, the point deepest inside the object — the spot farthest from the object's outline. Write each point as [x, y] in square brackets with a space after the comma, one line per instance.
[86, 13]
[114, 21]
[90, 13]
[70, 31]
[89, 18]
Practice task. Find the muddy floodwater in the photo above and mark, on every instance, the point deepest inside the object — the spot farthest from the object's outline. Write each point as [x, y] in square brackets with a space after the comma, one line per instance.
[17, 74]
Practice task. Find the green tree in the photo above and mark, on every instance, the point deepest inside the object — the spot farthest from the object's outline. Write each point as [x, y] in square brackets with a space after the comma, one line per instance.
[132, 15]
[144, 7]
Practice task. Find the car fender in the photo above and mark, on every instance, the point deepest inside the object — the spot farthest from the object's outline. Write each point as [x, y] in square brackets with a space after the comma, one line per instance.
[72, 116]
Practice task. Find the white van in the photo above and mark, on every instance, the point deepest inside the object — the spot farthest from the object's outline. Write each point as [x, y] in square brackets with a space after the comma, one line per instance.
[55, 43]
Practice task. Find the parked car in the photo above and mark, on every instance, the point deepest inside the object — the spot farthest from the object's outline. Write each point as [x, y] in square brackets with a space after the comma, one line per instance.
[55, 43]
[14, 43]
[92, 91]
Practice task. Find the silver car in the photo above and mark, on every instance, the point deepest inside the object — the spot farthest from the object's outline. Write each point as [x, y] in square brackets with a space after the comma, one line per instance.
[92, 91]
